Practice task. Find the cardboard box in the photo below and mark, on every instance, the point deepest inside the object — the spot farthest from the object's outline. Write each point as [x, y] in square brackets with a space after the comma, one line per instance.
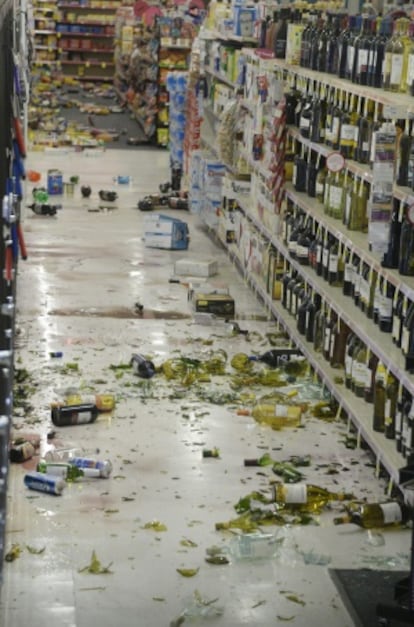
[206, 288]
[190, 267]
[218, 304]
[161, 231]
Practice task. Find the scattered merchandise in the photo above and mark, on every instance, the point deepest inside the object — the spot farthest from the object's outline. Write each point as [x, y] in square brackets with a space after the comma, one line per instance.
[162, 231]
[196, 268]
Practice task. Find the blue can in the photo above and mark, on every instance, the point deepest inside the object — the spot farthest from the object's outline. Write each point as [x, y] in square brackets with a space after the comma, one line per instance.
[42, 482]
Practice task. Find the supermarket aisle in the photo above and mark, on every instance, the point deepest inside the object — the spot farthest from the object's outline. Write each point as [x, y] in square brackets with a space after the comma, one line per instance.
[77, 294]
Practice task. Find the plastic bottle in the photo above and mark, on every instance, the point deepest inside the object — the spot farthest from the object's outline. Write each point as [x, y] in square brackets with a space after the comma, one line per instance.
[63, 416]
[143, 367]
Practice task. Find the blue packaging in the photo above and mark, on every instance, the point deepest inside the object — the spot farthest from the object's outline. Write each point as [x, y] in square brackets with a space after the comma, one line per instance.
[54, 182]
[42, 482]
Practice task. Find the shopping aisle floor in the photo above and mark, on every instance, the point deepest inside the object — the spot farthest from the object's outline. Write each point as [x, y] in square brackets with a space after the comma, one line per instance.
[76, 294]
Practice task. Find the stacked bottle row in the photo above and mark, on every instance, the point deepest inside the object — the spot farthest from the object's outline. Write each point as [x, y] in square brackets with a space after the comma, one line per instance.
[365, 49]
[344, 196]
[310, 244]
[364, 374]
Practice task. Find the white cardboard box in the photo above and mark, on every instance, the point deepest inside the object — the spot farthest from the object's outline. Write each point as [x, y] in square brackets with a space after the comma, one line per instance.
[190, 267]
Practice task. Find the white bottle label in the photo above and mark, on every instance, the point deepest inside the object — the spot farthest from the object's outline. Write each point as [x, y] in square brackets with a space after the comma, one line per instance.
[325, 257]
[319, 188]
[348, 364]
[387, 412]
[350, 58]
[362, 60]
[396, 327]
[405, 340]
[391, 513]
[410, 71]
[385, 307]
[348, 273]
[281, 410]
[83, 418]
[327, 340]
[295, 493]
[302, 251]
[292, 246]
[347, 133]
[359, 372]
[333, 263]
[319, 253]
[304, 123]
[347, 212]
[335, 130]
[396, 68]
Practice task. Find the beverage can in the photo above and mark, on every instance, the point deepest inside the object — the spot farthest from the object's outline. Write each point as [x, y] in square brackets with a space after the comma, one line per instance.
[101, 468]
[51, 484]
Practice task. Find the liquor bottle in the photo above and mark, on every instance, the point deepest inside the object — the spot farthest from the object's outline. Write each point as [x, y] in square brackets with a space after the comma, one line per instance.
[314, 45]
[142, 366]
[356, 25]
[397, 57]
[60, 469]
[347, 129]
[407, 339]
[332, 53]
[381, 377]
[362, 49]
[403, 150]
[305, 40]
[272, 358]
[329, 323]
[301, 314]
[388, 57]
[377, 54]
[351, 348]
[304, 241]
[348, 273]
[343, 40]
[370, 378]
[319, 329]
[364, 132]
[306, 113]
[350, 198]
[392, 394]
[279, 45]
[318, 119]
[103, 402]
[385, 316]
[276, 415]
[66, 415]
[320, 183]
[359, 371]
[406, 248]
[358, 219]
[305, 497]
[299, 171]
[373, 515]
[338, 343]
[314, 305]
[285, 282]
[391, 257]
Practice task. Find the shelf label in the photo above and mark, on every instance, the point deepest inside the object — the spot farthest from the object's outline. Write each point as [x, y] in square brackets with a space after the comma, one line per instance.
[335, 162]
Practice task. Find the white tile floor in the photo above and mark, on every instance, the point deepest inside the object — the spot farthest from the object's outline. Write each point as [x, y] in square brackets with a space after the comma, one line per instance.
[76, 293]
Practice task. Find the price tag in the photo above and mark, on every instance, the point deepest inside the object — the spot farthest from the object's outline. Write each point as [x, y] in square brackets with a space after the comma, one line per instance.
[103, 65]
[335, 162]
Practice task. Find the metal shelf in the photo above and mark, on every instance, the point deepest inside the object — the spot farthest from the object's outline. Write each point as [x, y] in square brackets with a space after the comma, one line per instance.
[221, 77]
[380, 343]
[70, 34]
[358, 411]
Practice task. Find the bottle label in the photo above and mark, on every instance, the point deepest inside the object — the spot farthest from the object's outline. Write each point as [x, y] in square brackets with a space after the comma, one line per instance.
[348, 272]
[327, 340]
[385, 307]
[398, 422]
[304, 123]
[387, 412]
[348, 364]
[396, 68]
[302, 251]
[335, 197]
[295, 493]
[281, 410]
[347, 134]
[362, 60]
[292, 245]
[396, 327]
[82, 418]
[368, 378]
[319, 255]
[333, 263]
[347, 212]
[405, 340]
[391, 513]
[307, 319]
[410, 71]
[350, 58]
[359, 372]
[325, 257]
[319, 188]
[335, 130]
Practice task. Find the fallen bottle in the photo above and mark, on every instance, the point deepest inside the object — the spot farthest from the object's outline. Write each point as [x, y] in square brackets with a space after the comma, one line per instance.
[66, 415]
[142, 366]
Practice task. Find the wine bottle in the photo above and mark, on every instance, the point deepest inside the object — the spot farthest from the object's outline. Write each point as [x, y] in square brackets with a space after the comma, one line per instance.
[306, 114]
[299, 171]
[407, 339]
[348, 273]
[406, 249]
[329, 324]
[21, 450]
[60, 469]
[314, 305]
[392, 395]
[359, 371]
[311, 173]
[319, 329]
[274, 357]
[318, 119]
[409, 85]
[343, 40]
[403, 407]
[364, 133]
[351, 348]
[381, 376]
[397, 57]
[338, 343]
[373, 515]
[142, 366]
[350, 65]
[103, 402]
[377, 55]
[66, 415]
[385, 316]
[263, 460]
[305, 497]
[370, 378]
[391, 257]
[403, 150]
[301, 314]
[320, 183]
[276, 415]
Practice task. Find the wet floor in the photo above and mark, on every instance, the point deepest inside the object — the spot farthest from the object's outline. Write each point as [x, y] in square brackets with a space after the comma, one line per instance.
[116, 551]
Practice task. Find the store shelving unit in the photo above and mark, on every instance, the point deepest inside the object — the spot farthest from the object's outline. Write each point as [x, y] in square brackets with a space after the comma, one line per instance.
[85, 39]
[45, 16]
[395, 106]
